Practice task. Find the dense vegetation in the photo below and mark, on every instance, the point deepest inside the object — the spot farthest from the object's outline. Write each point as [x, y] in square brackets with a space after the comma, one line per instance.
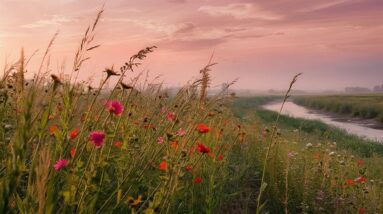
[325, 168]
[363, 106]
[71, 148]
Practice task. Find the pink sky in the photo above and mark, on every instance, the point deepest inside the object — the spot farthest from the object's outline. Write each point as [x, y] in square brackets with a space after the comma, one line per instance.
[335, 43]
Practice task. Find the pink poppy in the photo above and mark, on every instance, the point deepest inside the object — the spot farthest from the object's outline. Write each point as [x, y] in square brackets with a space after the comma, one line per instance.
[181, 132]
[160, 140]
[115, 107]
[60, 164]
[97, 138]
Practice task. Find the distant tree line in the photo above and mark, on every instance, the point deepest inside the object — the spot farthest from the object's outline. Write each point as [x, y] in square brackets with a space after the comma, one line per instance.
[378, 88]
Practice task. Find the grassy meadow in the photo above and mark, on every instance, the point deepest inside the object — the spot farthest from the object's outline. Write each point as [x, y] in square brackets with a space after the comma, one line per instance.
[67, 147]
[363, 106]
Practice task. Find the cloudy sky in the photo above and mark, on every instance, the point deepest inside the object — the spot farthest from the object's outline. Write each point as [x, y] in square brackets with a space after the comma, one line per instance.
[335, 43]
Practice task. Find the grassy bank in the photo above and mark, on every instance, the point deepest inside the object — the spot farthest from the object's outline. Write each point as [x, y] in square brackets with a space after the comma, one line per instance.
[363, 106]
[322, 168]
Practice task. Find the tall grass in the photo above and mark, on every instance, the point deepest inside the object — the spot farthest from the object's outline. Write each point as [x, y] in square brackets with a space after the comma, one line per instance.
[70, 148]
[315, 168]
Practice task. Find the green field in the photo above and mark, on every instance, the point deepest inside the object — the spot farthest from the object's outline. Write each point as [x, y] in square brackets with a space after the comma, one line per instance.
[363, 106]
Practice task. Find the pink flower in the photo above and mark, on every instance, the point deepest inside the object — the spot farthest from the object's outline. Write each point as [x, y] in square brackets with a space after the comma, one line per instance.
[170, 116]
[97, 138]
[60, 164]
[291, 154]
[181, 132]
[160, 140]
[115, 107]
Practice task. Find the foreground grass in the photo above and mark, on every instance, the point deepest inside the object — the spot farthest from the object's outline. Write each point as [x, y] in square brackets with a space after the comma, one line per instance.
[363, 106]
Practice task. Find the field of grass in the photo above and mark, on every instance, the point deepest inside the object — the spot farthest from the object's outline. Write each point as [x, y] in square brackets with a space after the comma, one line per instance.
[321, 165]
[70, 148]
[363, 106]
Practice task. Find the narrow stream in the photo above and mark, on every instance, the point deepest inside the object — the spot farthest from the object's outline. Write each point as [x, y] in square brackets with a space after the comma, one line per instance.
[361, 128]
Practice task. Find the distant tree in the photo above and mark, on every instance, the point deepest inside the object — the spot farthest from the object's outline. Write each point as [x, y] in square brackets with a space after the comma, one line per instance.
[378, 88]
[357, 90]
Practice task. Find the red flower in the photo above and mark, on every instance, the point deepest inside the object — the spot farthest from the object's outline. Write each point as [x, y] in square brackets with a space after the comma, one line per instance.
[163, 166]
[359, 163]
[174, 144]
[202, 148]
[197, 180]
[317, 155]
[72, 152]
[220, 157]
[362, 180]
[189, 168]
[350, 182]
[118, 144]
[52, 130]
[361, 210]
[203, 128]
[73, 134]
[170, 116]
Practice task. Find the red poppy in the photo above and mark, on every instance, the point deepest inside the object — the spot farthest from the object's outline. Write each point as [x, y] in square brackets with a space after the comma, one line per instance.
[72, 152]
[189, 168]
[359, 163]
[174, 144]
[170, 116]
[317, 155]
[350, 182]
[362, 180]
[220, 157]
[361, 210]
[203, 128]
[52, 130]
[163, 166]
[197, 180]
[118, 144]
[202, 148]
[73, 134]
